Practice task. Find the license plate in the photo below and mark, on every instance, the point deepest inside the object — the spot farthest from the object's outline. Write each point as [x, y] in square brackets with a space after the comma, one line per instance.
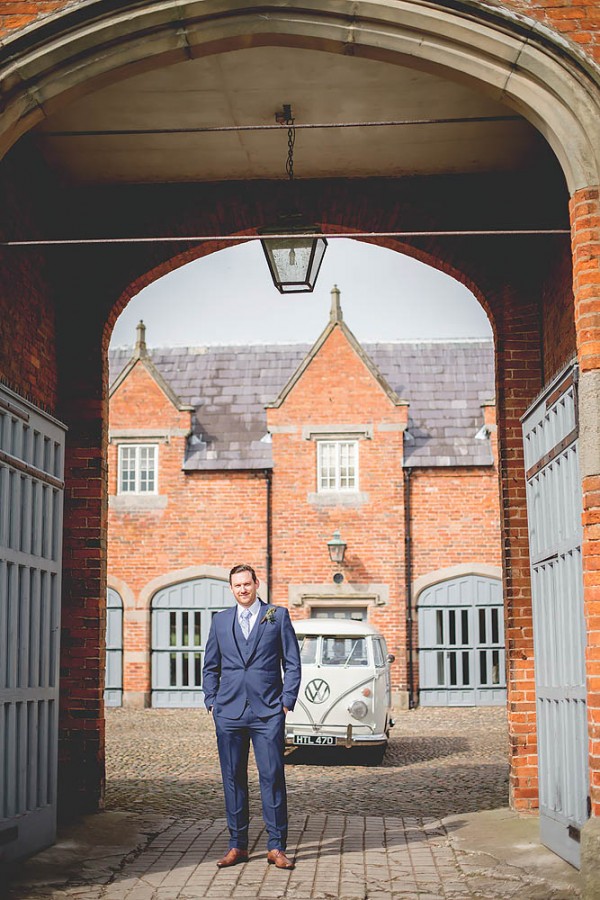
[314, 740]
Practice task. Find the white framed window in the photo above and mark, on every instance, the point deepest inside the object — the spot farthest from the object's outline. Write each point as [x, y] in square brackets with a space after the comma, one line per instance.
[337, 466]
[138, 466]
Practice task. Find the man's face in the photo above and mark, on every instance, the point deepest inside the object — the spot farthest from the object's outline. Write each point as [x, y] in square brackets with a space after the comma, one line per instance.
[244, 588]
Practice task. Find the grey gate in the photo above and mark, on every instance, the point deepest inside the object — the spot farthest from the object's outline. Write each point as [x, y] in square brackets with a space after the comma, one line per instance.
[181, 617]
[113, 684]
[554, 508]
[461, 643]
[31, 499]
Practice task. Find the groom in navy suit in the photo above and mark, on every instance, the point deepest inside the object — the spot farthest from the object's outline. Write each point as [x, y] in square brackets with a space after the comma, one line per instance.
[248, 649]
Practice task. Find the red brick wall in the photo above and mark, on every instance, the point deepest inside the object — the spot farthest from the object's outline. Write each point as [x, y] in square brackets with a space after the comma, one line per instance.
[585, 221]
[211, 518]
[337, 389]
[26, 296]
[456, 518]
[519, 375]
[557, 315]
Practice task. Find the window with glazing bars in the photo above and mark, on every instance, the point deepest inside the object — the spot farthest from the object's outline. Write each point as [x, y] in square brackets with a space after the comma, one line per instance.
[337, 465]
[137, 468]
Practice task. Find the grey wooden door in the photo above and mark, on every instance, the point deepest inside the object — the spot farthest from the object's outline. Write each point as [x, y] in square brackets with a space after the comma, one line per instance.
[113, 684]
[31, 501]
[554, 508]
[461, 643]
[181, 617]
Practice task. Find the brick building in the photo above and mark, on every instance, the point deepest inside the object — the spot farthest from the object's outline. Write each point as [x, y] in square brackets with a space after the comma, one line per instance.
[109, 179]
[263, 453]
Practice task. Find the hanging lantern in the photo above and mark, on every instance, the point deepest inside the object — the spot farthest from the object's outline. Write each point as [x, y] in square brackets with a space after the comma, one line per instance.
[295, 255]
[294, 262]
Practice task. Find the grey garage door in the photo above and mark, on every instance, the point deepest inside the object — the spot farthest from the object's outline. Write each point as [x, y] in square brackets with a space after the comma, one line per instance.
[31, 502]
[554, 508]
[461, 643]
[181, 617]
[113, 685]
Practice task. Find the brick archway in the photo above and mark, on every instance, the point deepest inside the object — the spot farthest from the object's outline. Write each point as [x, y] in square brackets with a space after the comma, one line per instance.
[61, 331]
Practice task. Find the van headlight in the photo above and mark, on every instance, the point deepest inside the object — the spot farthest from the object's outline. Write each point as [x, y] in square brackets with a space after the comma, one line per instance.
[358, 709]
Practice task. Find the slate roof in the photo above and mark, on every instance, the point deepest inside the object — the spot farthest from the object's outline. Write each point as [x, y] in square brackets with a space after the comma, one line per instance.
[445, 383]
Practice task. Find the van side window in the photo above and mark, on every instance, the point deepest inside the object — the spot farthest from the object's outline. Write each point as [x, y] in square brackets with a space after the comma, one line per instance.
[308, 649]
[378, 653]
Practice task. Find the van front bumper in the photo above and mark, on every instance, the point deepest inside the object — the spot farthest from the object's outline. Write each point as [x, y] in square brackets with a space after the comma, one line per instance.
[301, 738]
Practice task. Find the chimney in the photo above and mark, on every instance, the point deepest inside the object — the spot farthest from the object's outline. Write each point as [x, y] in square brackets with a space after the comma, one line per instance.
[336, 310]
[140, 344]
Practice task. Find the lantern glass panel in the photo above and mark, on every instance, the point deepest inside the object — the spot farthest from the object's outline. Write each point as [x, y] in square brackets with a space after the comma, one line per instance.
[294, 262]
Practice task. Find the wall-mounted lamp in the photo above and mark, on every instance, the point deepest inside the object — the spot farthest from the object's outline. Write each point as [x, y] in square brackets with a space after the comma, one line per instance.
[337, 548]
[294, 261]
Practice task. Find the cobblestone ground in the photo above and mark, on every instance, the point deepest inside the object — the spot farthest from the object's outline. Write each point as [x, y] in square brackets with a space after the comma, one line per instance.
[430, 823]
[439, 762]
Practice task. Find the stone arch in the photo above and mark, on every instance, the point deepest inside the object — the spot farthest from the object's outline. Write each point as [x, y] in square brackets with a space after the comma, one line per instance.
[512, 59]
[421, 583]
[219, 573]
[436, 258]
[123, 589]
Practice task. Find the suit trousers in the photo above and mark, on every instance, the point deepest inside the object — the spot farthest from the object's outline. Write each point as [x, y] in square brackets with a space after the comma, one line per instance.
[268, 740]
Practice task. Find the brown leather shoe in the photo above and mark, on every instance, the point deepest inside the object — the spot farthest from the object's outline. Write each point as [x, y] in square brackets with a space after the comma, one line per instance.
[278, 859]
[232, 858]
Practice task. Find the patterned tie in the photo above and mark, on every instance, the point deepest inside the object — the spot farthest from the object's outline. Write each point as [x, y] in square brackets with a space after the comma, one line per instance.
[245, 622]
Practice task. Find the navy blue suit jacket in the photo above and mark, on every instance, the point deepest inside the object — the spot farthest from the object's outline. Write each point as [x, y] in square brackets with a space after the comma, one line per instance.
[269, 677]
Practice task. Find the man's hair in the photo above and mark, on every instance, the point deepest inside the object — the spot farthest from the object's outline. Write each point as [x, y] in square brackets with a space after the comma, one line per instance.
[244, 567]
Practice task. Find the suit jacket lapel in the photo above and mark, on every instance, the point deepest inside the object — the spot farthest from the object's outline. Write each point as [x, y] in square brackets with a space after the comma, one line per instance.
[258, 630]
[231, 627]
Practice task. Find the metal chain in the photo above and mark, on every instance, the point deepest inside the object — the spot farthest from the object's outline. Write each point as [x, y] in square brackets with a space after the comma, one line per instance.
[289, 166]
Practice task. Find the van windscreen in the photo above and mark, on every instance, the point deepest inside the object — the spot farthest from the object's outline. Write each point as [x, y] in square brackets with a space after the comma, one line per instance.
[344, 651]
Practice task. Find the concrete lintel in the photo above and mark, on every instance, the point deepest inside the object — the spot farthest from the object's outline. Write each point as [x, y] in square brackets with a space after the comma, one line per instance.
[348, 594]
[137, 502]
[391, 426]
[349, 499]
[337, 432]
[151, 434]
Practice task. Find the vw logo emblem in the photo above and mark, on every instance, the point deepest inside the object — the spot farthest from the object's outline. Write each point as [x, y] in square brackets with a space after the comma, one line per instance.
[317, 691]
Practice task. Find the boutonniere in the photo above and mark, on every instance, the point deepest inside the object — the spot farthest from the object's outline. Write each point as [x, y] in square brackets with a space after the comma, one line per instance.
[269, 616]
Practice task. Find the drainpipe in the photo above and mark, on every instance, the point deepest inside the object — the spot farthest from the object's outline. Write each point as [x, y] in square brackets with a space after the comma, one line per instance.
[269, 560]
[408, 579]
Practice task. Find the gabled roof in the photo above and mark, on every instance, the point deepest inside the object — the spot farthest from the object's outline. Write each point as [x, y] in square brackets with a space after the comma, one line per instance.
[336, 320]
[228, 387]
[140, 355]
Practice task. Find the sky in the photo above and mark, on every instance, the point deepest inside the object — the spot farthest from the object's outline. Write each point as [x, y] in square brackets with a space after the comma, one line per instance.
[228, 298]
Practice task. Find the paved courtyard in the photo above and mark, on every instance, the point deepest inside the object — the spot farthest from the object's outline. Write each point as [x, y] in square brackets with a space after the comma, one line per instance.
[430, 822]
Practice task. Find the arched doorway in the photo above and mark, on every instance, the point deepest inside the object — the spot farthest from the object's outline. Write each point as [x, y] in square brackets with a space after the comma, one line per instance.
[181, 617]
[462, 658]
[113, 684]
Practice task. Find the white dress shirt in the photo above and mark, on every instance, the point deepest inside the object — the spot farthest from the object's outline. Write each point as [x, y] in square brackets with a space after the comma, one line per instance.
[253, 610]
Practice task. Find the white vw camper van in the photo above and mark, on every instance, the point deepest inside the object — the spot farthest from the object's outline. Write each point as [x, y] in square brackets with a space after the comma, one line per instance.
[345, 694]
